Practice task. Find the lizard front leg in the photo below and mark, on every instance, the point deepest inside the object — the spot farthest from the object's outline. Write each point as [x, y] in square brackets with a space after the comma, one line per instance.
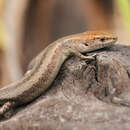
[78, 54]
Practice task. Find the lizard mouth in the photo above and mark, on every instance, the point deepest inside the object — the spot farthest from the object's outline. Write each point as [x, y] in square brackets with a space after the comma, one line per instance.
[106, 44]
[100, 46]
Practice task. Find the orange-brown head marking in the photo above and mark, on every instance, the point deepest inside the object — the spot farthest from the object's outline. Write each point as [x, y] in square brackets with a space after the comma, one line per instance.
[90, 41]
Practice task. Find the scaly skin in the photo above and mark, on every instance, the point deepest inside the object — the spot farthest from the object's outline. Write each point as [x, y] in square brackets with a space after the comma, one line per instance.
[44, 68]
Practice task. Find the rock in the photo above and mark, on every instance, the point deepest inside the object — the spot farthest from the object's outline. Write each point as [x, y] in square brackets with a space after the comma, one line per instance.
[85, 95]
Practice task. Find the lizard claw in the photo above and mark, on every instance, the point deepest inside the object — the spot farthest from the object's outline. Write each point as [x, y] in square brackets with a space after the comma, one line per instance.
[92, 57]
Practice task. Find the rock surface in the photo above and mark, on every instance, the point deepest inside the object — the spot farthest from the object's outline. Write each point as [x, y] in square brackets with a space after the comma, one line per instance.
[80, 96]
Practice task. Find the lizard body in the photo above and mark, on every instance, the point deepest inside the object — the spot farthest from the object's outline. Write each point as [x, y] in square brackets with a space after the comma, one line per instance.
[44, 68]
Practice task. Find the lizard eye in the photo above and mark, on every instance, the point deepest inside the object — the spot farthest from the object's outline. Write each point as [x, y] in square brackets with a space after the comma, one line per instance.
[102, 39]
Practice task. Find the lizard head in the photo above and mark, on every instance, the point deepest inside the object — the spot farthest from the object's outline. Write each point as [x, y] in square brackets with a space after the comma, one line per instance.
[92, 40]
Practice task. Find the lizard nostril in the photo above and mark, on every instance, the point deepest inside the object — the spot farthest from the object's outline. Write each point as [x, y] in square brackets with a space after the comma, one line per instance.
[102, 39]
[86, 44]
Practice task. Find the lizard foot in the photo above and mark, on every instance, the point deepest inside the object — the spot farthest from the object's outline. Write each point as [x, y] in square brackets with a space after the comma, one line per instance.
[92, 57]
[8, 114]
[87, 58]
[121, 101]
[6, 107]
